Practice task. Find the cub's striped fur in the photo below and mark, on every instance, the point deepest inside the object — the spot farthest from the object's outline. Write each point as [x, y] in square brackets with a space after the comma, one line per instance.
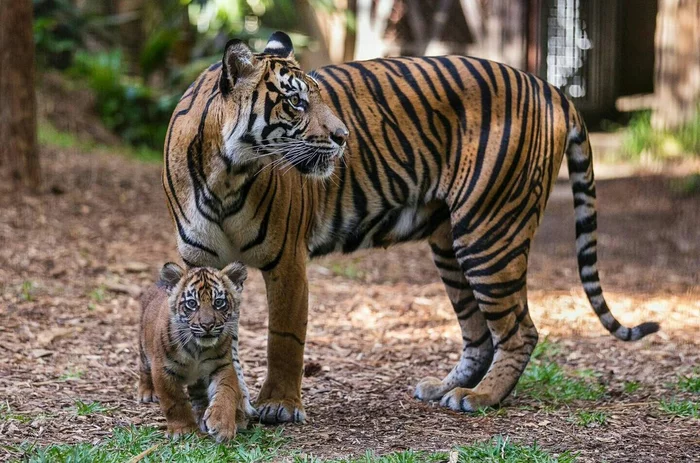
[189, 337]
[460, 151]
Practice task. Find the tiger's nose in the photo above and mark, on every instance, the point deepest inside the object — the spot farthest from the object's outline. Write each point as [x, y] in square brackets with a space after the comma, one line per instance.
[207, 326]
[340, 136]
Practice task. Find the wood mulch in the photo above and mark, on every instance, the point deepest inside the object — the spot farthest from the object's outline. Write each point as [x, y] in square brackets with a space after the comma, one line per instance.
[74, 258]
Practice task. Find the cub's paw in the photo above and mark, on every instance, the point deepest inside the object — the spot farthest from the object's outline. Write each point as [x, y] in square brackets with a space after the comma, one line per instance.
[179, 430]
[274, 411]
[429, 388]
[220, 422]
[461, 399]
[147, 395]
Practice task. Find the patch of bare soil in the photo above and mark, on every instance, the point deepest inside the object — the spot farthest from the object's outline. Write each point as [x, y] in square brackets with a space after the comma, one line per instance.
[74, 258]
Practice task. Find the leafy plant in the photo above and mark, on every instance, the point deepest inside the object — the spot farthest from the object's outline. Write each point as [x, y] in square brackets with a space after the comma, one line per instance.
[690, 383]
[680, 408]
[642, 138]
[586, 419]
[89, 408]
[136, 112]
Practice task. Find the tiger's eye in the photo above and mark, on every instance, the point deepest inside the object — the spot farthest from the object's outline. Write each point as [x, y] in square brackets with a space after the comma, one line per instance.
[219, 303]
[191, 304]
[294, 100]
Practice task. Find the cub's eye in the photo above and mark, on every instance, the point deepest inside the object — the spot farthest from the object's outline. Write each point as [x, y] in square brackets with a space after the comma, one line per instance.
[191, 304]
[219, 303]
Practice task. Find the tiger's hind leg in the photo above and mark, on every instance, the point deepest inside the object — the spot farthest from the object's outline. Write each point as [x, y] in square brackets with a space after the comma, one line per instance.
[477, 348]
[498, 278]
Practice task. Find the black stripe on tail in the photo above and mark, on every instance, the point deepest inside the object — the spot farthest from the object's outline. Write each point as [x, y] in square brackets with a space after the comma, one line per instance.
[580, 163]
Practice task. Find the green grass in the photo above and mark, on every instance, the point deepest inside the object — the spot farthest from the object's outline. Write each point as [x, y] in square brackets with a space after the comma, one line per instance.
[545, 381]
[261, 444]
[256, 445]
[6, 414]
[27, 291]
[497, 450]
[48, 135]
[89, 408]
[71, 375]
[690, 383]
[680, 408]
[641, 138]
[630, 387]
[98, 294]
[587, 419]
[347, 270]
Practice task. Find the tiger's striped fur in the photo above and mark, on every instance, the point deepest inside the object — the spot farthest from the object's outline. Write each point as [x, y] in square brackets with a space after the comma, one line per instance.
[189, 337]
[460, 151]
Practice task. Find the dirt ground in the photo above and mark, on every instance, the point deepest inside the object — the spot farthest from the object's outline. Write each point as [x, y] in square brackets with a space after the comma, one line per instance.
[74, 259]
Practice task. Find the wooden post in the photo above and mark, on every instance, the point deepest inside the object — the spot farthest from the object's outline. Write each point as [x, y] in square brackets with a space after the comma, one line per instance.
[18, 148]
[677, 77]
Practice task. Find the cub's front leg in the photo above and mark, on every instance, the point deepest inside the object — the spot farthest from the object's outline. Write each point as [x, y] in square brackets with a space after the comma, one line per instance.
[226, 405]
[173, 402]
[287, 299]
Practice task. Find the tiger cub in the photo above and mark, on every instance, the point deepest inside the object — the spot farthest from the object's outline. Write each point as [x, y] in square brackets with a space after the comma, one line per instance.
[189, 337]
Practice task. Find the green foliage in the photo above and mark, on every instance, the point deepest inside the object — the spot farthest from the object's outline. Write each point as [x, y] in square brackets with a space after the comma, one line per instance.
[6, 414]
[642, 138]
[690, 383]
[503, 450]
[680, 408]
[630, 387]
[27, 291]
[587, 419]
[71, 375]
[136, 112]
[89, 408]
[545, 381]
[58, 31]
[256, 445]
[500, 450]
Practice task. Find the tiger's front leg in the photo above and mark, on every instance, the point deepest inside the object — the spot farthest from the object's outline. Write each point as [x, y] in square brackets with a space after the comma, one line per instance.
[287, 298]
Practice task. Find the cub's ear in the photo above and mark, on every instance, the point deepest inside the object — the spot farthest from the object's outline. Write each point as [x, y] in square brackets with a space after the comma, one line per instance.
[170, 274]
[280, 44]
[238, 63]
[237, 273]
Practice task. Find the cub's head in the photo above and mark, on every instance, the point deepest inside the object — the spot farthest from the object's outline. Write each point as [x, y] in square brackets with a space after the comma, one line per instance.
[204, 302]
[273, 112]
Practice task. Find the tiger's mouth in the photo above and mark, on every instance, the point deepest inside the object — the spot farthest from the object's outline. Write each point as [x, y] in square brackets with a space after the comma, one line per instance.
[321, 164]
[206, 340]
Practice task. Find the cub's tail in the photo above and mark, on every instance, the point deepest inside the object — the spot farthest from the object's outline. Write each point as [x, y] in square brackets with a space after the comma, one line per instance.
[578, 156]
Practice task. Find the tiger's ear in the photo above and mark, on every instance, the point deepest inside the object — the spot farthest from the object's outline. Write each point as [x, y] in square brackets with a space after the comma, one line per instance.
[170, 275]
[280, 44]
[237, 273]
[238, 63]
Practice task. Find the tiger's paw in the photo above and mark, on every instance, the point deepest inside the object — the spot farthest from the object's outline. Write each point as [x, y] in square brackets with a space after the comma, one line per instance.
[274, 411]
[461, 399]
[147, 395]
[220, 422]
[178, 430]
[429, 388]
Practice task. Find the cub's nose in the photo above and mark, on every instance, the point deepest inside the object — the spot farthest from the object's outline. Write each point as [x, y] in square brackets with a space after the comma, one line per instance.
[207, 326]
[340, 136]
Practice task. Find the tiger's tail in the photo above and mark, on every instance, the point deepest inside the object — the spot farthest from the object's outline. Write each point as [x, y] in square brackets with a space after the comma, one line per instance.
[580, 163]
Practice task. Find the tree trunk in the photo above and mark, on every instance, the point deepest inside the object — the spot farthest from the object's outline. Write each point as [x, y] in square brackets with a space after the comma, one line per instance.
[677, 77]
[18, 149]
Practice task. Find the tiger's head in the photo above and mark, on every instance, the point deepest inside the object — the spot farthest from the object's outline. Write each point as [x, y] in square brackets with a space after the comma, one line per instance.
[273, 111]
[204, 302]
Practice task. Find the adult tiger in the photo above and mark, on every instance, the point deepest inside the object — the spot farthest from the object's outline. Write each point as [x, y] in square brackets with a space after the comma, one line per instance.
[461, 151]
